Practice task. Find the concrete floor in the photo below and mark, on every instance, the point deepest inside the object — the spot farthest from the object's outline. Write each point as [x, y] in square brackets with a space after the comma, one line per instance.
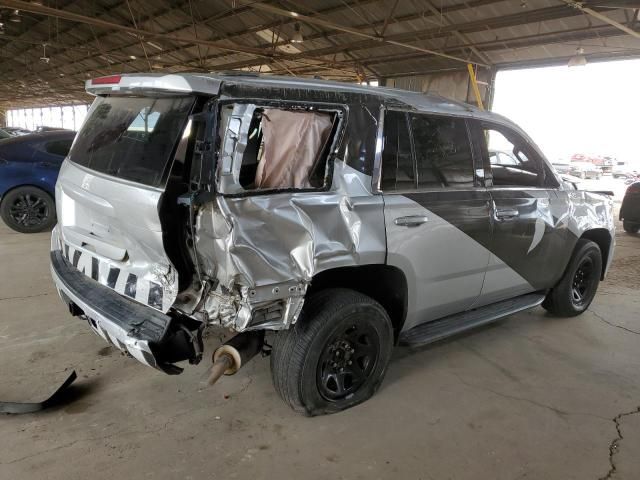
[530, 397]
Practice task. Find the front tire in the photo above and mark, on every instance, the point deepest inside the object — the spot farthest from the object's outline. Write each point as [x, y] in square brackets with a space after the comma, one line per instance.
[28, 210]
[630, 227]
[577, 288]
[335, 356]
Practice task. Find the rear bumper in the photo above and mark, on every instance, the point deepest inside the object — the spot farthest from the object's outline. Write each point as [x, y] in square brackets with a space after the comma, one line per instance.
[153, 338]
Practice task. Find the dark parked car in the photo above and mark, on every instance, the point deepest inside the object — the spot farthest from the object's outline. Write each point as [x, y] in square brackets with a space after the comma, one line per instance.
[29, 168]
[630, 211]
[17, 131]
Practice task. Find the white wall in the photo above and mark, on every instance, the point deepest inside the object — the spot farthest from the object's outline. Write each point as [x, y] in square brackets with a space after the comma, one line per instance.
[69, 116]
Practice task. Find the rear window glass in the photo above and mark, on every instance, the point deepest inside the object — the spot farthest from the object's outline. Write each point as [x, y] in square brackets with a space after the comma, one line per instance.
[131, 137]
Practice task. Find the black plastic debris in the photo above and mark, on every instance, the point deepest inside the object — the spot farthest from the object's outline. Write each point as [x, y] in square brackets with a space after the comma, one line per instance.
[22, 407]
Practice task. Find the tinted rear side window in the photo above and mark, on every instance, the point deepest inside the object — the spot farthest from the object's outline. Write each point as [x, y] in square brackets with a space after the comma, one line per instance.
[58, 147]
[443, 151]
[397, 164]
[131, 137]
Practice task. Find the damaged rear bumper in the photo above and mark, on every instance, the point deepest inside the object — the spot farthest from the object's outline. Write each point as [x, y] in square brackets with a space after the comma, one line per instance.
[155, 339]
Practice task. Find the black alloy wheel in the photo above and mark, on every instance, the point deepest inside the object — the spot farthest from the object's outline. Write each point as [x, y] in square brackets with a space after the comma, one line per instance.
[577, 288]
[347, 360]
[28, 210]
[336, 354]
[583, 282]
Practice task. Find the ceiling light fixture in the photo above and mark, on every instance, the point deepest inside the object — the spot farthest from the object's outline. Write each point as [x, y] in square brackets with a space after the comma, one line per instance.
[44, 58]
[297, 35]
[578, 60]
[132, 57]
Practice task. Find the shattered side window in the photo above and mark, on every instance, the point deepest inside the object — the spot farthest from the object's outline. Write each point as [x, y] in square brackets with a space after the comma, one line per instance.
[360, 141]
[265, 148]
[398, 167]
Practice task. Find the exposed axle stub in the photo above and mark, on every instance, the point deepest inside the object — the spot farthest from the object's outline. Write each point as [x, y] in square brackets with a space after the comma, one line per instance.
[234, 354]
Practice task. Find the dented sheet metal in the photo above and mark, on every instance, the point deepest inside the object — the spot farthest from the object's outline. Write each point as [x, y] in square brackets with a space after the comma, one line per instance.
[263, 250]
[583, 211]
[111, 231]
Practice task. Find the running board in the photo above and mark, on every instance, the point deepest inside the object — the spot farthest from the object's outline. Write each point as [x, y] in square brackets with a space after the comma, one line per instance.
[445, 327]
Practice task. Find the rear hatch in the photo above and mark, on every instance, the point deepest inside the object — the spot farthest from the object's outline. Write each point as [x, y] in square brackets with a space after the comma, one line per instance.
[109, 192]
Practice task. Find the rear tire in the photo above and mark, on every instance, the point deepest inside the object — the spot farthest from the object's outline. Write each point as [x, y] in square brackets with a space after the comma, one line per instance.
[576, 289]
[630, 227]
[335, 356]
[28, 210]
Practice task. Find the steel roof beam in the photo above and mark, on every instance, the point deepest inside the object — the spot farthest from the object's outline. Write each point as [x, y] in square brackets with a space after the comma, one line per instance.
[603, 18]
[316, 20]
[74, 17]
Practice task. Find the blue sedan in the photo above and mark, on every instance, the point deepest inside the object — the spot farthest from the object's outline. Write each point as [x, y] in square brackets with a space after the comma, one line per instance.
[29, 168]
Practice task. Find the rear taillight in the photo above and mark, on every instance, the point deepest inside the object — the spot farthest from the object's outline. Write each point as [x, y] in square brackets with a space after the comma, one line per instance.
[634, 188]
[111, 79]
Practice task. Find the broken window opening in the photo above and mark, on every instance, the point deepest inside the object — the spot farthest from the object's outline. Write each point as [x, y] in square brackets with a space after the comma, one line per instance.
[268, 148]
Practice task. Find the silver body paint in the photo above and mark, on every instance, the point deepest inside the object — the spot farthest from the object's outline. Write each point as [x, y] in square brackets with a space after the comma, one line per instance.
[583, 211]
[264, 250]
[260, 253]
[117, 223]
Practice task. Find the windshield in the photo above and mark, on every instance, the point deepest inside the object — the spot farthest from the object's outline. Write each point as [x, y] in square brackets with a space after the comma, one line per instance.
[131, 137]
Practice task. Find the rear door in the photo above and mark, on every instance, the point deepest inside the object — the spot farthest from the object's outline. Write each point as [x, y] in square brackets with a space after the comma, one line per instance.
[436, 212]
[109, 192]
[530, 244]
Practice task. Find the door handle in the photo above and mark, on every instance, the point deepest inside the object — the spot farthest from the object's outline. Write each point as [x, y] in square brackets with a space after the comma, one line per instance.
[411, 221]
[506, 213]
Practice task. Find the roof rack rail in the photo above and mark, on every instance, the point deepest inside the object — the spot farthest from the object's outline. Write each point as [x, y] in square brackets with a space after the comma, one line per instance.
[236, 73]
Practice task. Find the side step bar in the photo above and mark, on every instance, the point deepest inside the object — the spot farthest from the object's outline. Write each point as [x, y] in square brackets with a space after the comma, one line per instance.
[445, 327]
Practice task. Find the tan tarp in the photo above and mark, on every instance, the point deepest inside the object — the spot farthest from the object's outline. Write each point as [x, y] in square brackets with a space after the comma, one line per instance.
[292, 143]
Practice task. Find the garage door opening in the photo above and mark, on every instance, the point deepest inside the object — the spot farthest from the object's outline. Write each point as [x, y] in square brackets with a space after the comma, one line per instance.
[579, 116]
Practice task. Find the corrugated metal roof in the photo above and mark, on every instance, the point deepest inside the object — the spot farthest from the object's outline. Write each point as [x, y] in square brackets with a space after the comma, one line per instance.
[203, 36]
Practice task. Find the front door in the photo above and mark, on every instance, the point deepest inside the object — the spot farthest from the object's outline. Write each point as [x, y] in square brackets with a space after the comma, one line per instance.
[529, 242]
[436, 213]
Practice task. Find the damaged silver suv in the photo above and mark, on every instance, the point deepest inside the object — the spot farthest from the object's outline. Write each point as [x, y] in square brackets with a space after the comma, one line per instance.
[341, 219]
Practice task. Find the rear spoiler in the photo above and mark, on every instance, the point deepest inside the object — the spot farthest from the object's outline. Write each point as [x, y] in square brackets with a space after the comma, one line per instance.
[152, 83]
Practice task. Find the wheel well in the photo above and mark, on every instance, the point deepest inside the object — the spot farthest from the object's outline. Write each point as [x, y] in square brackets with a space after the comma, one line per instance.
[602, 238]
[384, 283]
[26, 185]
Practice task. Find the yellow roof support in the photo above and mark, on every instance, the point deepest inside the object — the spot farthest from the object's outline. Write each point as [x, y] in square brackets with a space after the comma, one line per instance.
[474, 85]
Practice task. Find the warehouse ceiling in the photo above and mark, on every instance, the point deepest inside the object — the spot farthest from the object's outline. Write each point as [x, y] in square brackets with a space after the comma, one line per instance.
[48, 48]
